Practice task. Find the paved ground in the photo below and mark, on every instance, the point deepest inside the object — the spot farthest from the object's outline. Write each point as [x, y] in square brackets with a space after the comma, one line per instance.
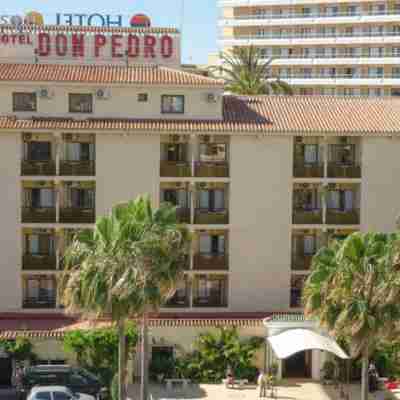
[289, 391]
[7, 394]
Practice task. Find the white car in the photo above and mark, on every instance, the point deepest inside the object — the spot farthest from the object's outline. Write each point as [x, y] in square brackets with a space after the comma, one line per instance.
[56, 393]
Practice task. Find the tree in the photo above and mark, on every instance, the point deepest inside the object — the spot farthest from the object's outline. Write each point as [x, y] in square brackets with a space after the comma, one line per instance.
[131, 262]
[97, 349]
[247, 73]
[354, 292]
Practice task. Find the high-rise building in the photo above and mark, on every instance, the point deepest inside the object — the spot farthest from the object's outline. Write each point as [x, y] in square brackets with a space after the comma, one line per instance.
[321, 47]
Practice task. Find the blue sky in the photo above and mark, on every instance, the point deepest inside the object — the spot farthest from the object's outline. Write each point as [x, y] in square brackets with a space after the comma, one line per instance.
[199, 34]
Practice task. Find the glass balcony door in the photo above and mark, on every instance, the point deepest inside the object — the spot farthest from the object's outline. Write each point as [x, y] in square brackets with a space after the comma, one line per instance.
[37, 151]
[81, 198]
[176, 197]
[210, 291]
[174, 152]
[74, 151]
[212, 244]
[40, 244]
[212, 200]
[40, 198]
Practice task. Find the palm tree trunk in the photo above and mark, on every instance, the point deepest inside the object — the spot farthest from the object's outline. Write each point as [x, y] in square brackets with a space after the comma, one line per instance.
[364, 376]
[121, 360]
[144, 388]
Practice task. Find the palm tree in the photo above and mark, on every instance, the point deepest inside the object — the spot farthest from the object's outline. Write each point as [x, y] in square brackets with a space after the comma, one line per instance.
[246, 73]
[132, 259]
[354, 292]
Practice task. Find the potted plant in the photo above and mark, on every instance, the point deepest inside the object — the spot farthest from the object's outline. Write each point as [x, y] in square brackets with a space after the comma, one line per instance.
[328, 371]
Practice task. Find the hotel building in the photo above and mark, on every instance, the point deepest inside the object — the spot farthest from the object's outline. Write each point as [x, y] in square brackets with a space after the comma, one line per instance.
[262, 182]
[320, 47]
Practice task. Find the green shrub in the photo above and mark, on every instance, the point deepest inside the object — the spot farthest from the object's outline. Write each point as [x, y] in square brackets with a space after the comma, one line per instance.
[114, 387]
[215, 352]
[161, 366]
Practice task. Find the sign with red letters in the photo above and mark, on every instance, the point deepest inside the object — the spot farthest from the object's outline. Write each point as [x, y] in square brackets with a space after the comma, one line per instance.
[88, 47]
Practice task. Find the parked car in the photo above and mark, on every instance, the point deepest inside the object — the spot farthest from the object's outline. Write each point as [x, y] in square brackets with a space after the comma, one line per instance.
[56, 393]
[77, 380]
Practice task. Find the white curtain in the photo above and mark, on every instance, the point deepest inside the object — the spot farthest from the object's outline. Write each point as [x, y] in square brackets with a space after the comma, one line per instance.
[182, 199]
[348, 200]
[33, 244]
[47, 198]
[310, 154]
[72, 151]
[204, 199]
[219, 199]
[32, 288]
[334, 199]
[205, 244]
[309, 244]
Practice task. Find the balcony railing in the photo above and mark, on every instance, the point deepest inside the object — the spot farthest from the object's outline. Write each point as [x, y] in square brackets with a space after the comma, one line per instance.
[39, 262]
[301, 262]
[39, 302]
[339, 76]
[38, 215]
[210, 261]
[175, 169]
[312, 56]
[295, 298]
[209, 217]
[304, 217]
[212, 170]
[77, 215]
[43, 168]
[338, 217]
[183, 215]
[312, 15]
[344, 170]
[211, 301]
[301, 170]
[77, 168]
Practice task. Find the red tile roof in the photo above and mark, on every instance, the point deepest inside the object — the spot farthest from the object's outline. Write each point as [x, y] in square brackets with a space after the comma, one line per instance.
[50, 326]
[264, 115]
[103, 74]
[85, 29]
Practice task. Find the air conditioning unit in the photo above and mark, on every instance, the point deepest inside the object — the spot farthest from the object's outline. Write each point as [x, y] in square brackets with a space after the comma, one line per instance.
[212, 98]
[45, 93]
[206, 138]
[103, 94]
[27, 137]
[68, 137]
[344, 140]
[299, 139]
[175, 138]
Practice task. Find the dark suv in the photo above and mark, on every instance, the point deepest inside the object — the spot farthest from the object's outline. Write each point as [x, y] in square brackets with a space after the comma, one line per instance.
[77, 380]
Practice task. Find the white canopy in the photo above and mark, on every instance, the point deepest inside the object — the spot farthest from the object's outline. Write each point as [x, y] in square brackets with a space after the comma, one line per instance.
[293, 341]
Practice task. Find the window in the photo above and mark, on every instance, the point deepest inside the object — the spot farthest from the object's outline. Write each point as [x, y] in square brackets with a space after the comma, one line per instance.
[61, 396]
[341, 200]
[82, 198]
[210, 291]
[212, 200]
[306, 153]
[40, 244]
[42, 396]
[179, 198]
[40, 198]
[74, 151]
[143, 97]
[37, 151]
[81, 103]
[212, 244]
[307, 200]
[24, 102]
[342, 153]
[181, 296]
[175, 152]
[214, 152]
[172, 104]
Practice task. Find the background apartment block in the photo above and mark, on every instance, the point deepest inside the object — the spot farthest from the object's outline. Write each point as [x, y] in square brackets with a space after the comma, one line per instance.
[348, 48]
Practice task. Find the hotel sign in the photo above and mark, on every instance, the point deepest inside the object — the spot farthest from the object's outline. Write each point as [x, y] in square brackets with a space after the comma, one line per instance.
[83, 48]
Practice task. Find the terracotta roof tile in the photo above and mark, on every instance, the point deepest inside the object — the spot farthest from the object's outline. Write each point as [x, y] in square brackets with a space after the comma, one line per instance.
[264, 115]
[103, 74]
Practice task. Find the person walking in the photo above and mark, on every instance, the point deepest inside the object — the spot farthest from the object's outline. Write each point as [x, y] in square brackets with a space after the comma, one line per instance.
[261, 382]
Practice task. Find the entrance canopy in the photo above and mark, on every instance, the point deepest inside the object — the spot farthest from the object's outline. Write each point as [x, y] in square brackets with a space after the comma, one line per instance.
[294, 341]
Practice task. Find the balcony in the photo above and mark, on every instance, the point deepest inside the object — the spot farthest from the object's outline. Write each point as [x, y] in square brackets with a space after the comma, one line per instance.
[75, 215]
[210, 217]
[44, 302]
[214, 300]
[212, 170]
[77, 168]
[39, 262]
[307, 217]
[38, 168]
[346, 217]
[38, 215]
[210, 261]
[301, 262]
[302, 170]
[183, 215]
[175, 169]
[336, 170]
